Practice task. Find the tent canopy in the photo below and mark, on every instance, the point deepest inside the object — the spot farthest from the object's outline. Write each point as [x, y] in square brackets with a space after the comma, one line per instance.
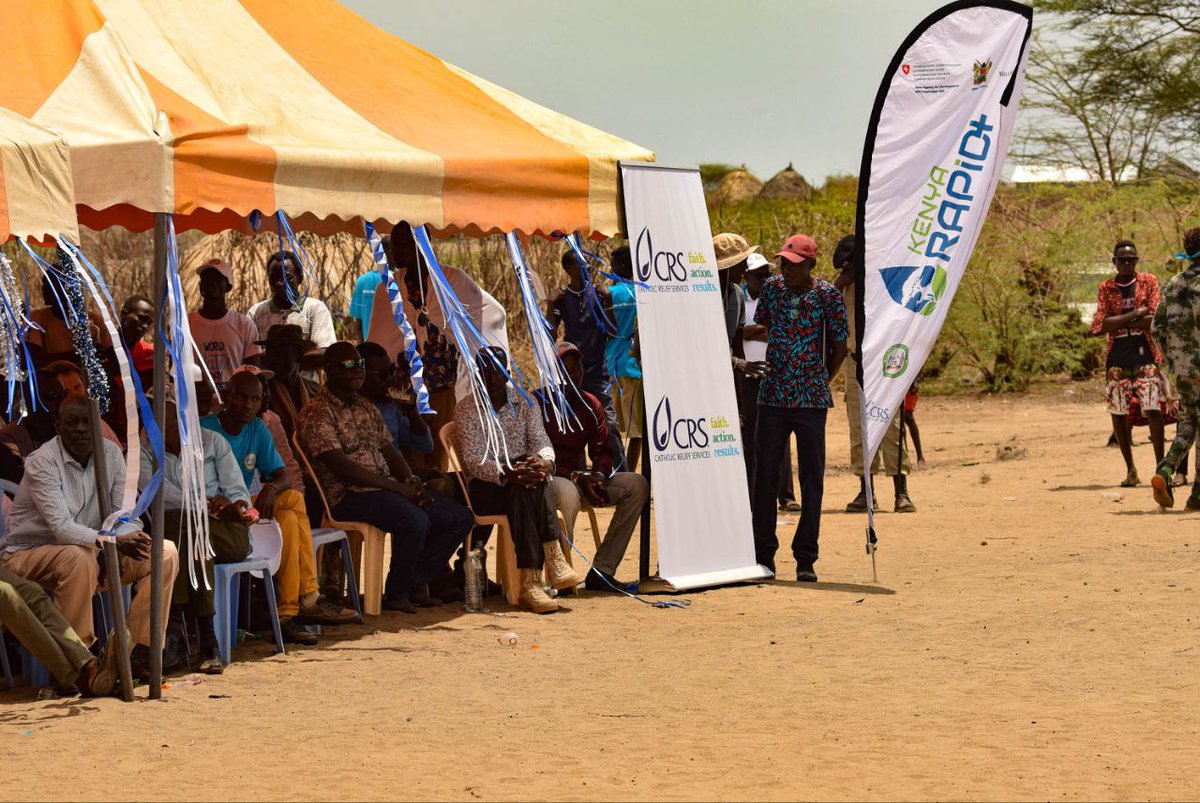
[36, 198]
[212, 110]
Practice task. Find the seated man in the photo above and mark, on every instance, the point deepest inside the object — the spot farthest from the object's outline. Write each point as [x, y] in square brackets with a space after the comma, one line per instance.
[410, 434]
[573, 482]
[27, 613]
[513, 481]
[299, 600]
[229, 517]
[53, 531]
[55, 340]
[70, 376]
[366, 479]
[19, 439]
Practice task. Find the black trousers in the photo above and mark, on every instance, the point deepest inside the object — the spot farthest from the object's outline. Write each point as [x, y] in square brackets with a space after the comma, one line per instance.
[776, 425]
[528, 513]
[748, 404]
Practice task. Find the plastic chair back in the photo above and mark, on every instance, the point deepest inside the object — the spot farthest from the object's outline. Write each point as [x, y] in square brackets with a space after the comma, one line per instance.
[266, 543]
[449, 438]
[9, 489]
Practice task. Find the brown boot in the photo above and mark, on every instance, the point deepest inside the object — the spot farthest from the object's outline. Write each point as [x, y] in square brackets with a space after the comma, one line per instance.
[533, 596]
[561, 574]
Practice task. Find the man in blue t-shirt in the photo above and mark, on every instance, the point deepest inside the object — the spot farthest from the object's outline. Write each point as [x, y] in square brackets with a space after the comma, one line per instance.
[298, 599]
[807, 330]
[621, 354]
[364, 292]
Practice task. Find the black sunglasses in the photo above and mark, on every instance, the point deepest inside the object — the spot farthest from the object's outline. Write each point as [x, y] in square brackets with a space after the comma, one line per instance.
[350, 365]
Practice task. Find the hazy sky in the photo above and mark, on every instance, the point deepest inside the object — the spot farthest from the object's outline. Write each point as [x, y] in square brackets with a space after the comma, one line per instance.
[764, 82]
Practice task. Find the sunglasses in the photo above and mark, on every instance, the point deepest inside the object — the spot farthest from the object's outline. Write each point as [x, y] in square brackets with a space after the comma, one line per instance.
[350, 365]
[385, 372]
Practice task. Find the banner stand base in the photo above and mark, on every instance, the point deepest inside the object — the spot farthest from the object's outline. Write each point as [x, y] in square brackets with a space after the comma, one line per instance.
[657, 584]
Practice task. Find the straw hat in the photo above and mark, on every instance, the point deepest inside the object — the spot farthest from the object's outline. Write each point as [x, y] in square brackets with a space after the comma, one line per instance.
[731, 249]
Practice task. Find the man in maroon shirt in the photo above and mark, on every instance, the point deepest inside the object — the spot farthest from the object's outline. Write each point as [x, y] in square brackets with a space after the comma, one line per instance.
[600, 486]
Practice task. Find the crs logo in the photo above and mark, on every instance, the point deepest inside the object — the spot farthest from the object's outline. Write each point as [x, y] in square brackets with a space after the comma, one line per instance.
[667, 266]
[685, 433]
[877, 413]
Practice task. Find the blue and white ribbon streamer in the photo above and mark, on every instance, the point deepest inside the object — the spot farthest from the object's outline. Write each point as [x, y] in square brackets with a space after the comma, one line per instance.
[470, 341]
[175, 335]
[552, 377]
[595, 306]
[18, 361]
[283, 231]
[415, 366]
[133, 504]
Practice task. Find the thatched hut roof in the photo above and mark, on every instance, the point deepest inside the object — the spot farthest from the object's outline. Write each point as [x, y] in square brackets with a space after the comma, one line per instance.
[786, 184]
[737, 186]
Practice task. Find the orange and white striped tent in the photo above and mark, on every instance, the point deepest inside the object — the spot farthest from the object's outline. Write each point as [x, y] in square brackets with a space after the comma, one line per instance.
[210, 109]
[36, 198]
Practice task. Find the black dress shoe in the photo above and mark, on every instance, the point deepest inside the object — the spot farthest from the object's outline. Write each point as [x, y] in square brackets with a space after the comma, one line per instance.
[602, 582]
[399, 604]
[293, 633]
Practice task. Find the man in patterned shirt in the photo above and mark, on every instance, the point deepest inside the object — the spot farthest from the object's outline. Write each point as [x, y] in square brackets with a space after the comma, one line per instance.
[1125, 305]
[1176, 326]
[365, 478]
[806, 344]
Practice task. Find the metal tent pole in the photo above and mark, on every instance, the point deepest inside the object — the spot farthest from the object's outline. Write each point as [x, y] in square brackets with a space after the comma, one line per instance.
[156, 508]
[112, 566]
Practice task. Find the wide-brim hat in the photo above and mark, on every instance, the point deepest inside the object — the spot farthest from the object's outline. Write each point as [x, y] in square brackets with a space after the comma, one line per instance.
[731, 249]
[287, 334]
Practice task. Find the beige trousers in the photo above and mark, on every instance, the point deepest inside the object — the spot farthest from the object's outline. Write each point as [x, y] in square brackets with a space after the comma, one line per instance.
[71, 576]
[891, 453]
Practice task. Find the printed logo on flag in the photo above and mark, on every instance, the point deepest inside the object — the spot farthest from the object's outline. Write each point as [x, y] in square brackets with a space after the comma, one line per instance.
[906, 68]
[982, 69]
[916, 289]
[895, 361]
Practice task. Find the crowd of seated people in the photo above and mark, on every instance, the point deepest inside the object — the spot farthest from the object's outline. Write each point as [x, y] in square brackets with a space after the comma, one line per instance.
[273, 382]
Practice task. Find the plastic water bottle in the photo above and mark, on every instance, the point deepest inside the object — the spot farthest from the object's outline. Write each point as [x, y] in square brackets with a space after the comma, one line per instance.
[473, 593]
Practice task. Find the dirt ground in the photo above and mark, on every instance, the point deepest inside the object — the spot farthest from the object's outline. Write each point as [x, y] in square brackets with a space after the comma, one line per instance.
[1028, 639]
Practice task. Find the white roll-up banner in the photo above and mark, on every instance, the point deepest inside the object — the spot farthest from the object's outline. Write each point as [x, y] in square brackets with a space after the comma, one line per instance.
[935, 147]
[701, 502]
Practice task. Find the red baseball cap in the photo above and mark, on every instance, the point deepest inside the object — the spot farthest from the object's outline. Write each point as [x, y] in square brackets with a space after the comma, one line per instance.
[798, 248]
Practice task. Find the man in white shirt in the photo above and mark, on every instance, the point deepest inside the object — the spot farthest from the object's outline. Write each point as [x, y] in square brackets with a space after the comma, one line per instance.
[286, 305]
[53, 536]
[226, 339]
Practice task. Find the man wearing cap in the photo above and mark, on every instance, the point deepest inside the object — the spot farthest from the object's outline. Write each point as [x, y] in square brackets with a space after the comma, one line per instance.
[601, 486]
[754, 346]
[289, 305]
[806, 343]
[298, 598]
[893, 451]
[226, 339]
[283, 348]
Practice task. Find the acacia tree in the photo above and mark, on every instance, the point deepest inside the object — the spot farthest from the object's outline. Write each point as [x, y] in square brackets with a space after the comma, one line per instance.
[1124, 94]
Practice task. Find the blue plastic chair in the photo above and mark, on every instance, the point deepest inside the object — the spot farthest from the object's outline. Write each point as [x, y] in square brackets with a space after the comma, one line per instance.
[226, 600]
[323, 536]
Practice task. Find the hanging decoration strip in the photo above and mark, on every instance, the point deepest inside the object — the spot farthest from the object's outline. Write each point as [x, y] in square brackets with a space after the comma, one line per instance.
[176, 336]
[470, 342]
[133, 504]
[595, 306]
[552, 378]
[18, 362]
[415, 367]
[283, 231]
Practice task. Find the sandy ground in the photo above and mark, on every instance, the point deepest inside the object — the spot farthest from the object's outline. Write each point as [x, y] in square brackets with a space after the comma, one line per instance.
[1027, 639]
